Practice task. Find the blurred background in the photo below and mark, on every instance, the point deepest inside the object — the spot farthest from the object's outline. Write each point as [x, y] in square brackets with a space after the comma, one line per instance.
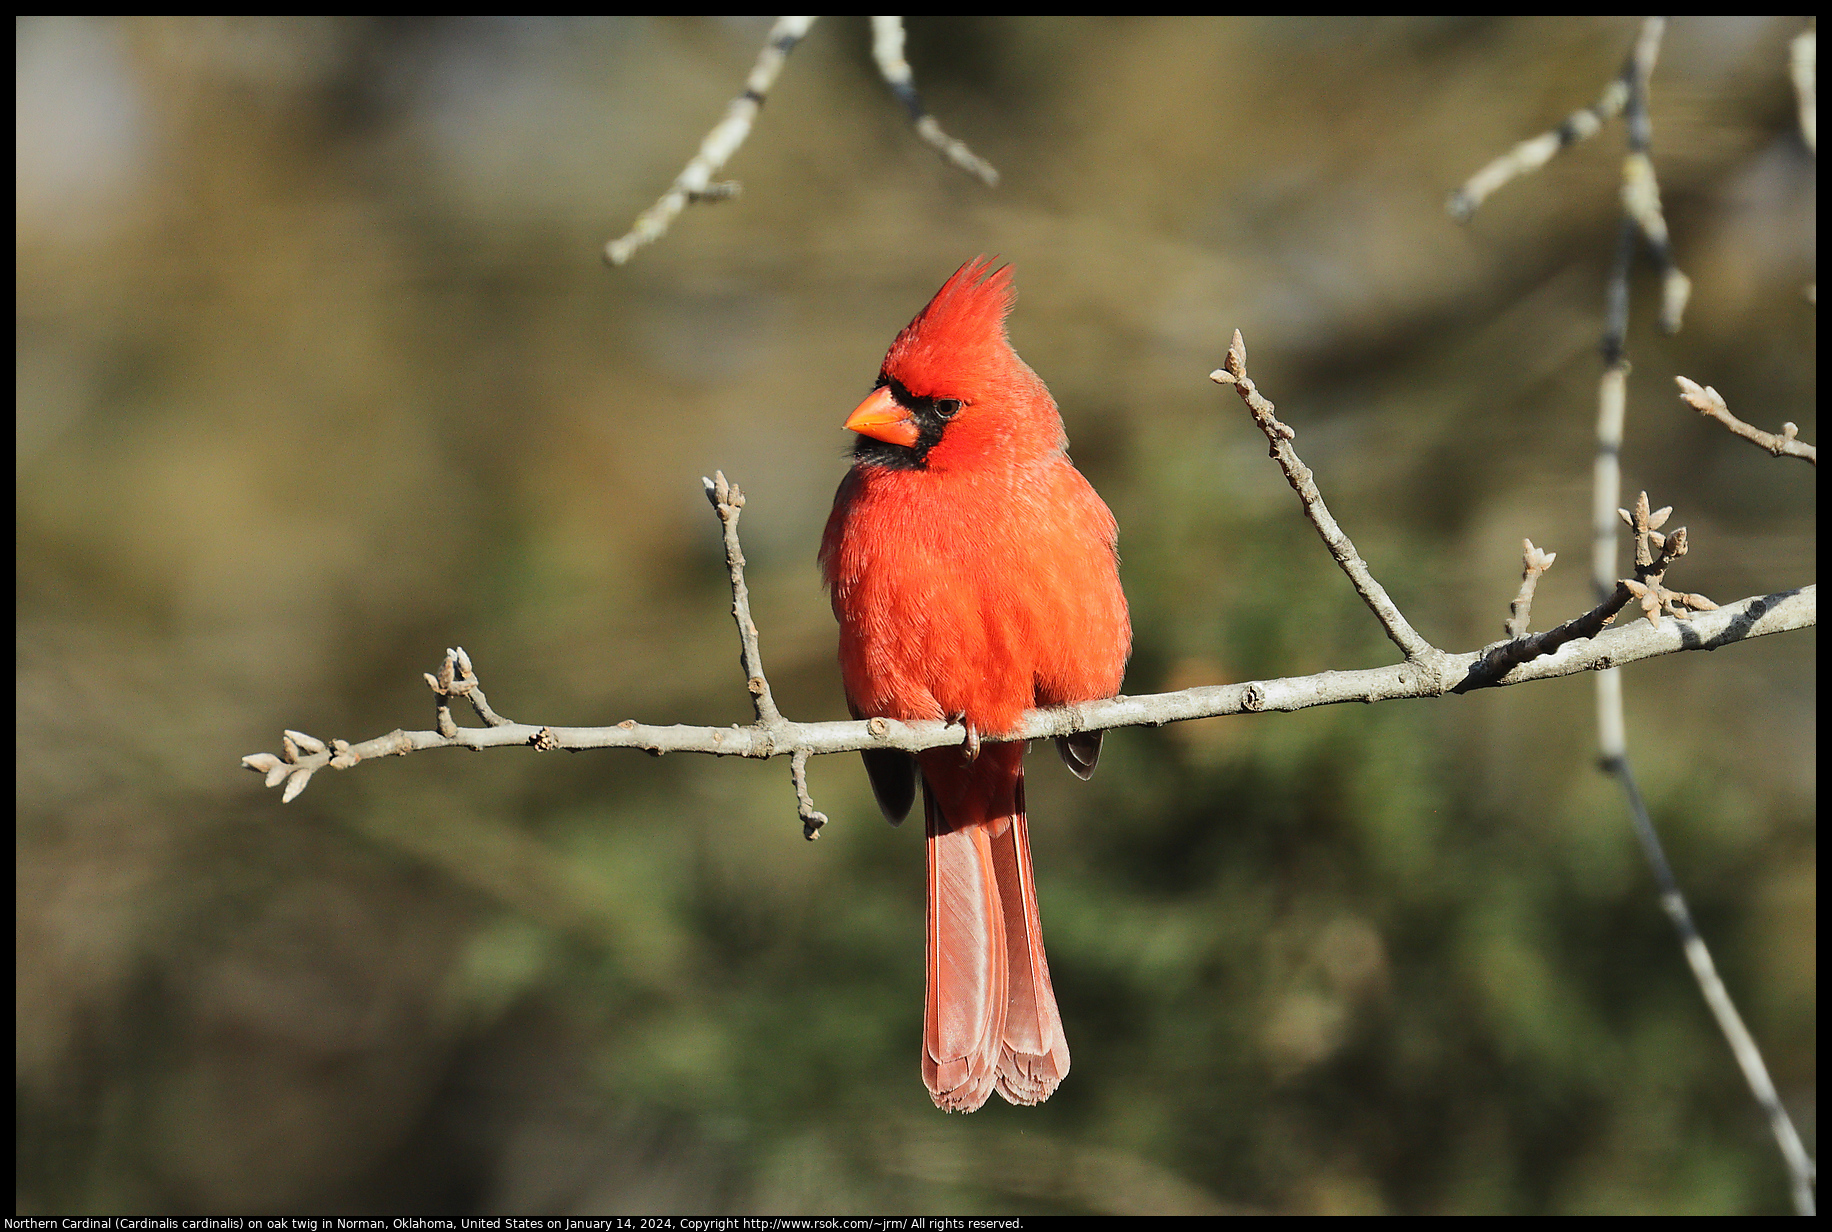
[319, 372]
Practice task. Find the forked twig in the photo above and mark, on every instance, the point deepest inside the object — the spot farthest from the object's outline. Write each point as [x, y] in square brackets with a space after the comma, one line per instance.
[695, 183]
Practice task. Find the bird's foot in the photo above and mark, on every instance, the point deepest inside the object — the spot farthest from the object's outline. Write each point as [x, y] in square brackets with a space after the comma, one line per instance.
[970, 746]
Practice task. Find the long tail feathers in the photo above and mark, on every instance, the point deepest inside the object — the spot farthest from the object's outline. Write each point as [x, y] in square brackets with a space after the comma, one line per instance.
[1034, 1056]
[989, 1019]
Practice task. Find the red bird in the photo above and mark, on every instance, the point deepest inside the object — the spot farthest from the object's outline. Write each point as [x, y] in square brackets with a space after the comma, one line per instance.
[974, 576]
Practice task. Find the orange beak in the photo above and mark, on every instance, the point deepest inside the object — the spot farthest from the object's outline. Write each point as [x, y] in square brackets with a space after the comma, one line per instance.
[879, 416]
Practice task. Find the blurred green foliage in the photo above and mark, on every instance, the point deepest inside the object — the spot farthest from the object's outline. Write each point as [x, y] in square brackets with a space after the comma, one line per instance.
[318, 373]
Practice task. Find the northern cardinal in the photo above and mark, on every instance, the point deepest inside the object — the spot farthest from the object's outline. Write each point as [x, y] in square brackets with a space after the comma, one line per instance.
[974, 574]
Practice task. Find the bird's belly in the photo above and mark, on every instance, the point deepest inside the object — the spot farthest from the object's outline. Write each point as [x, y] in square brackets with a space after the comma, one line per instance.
[982, 634]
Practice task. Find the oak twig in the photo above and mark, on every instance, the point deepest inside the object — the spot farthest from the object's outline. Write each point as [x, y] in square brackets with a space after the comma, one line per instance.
[1503, 657]
[1304, 484]
[695, 182]
[1428, 675]
[812, 818]
[1535, 152]
[887, 49]
[1803, 57]
[1530, 155]
[1654, 554]
[728, 502]
[1640, 187]
[1755, 616]
[1625, 95]
[1533, 562]
[1710, 403]
[1801, 1169]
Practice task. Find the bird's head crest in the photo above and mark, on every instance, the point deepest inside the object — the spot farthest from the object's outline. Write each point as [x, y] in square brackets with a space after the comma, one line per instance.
[958, 342]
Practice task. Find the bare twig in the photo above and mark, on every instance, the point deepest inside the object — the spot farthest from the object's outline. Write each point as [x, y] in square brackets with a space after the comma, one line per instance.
[728, 502]
[1503, 657]
[1533, 562]
[1641, 206]
[812, 818]
[1304, 484]
[1531, 155]
[1801, 1167]
[1803, 54]
[1756, 616]
[1654, 553]
[1625, 93]
[1710, 403]
[695, 182]
[1640, 187]
[1642, 215]
[887, 50]
[1431, 675]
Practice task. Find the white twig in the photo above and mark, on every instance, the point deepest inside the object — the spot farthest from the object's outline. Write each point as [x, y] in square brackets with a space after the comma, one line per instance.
[1304, 483]
[1533, 562]
[1626, 92]
[812, 818]
[1641, 208]
[1530, 155]
[887, 50]
[1642, 216]
[728, 502]
[1803, 55]
[1756, 616]
[695, 182]
[1640, 186]
[1710, 403]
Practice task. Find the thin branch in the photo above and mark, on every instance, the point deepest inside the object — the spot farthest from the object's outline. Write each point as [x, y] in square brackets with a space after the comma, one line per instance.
[1640, 187]
[695, 182]
[1803, 56]
[1503, 657]
[1710, 403]
[1756, 616]
[887, 49]
[1642, 215]
[1304, 484]
[1641, 210]
[728, 502]
[1625, 93]
[1533, 562]
[1802, 1171]
[1529, 156]
[812, 819]
[1654, 554]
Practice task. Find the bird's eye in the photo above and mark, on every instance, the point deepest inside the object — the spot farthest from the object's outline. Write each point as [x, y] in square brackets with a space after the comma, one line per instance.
[947, 408]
